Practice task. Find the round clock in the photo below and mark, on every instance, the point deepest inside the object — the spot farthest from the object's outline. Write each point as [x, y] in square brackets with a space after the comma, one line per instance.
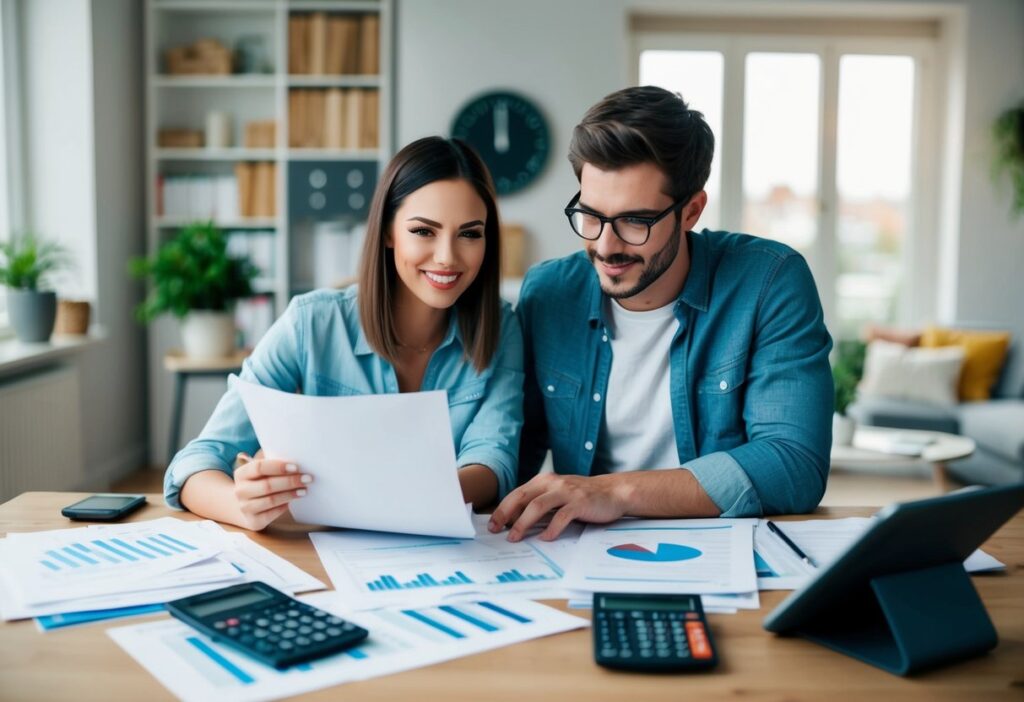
[510, 134]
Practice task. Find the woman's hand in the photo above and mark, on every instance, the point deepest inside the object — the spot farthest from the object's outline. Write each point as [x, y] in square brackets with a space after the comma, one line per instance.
[264, 488]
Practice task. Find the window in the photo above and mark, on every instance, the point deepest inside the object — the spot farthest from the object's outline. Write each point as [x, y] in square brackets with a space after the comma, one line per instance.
[817, 142]
[10, 161]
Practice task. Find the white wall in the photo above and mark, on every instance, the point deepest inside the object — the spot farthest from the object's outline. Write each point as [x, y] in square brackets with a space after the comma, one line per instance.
[83, 124]
[568, 54]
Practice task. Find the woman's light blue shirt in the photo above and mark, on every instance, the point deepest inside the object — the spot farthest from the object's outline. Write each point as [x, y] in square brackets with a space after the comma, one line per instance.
[317, 347]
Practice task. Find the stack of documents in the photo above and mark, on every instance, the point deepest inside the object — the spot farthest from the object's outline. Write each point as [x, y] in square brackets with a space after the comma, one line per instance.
[126, 565]
[193, 667]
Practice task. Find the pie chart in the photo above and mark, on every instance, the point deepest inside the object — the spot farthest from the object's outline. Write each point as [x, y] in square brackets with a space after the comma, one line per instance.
[665, 553]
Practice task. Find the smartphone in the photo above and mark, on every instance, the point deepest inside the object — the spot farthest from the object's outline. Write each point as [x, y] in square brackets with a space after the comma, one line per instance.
[103, 507]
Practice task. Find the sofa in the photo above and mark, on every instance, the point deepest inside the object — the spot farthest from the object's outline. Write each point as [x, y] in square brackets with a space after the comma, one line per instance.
[995, 425]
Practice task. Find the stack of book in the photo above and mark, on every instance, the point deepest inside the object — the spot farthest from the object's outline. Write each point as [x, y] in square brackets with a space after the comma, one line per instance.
[257, 189]
[322, 44]
[261, 134]
[335, 118]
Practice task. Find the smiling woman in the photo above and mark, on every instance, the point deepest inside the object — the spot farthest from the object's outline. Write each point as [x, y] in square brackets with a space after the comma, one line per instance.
[425, 315]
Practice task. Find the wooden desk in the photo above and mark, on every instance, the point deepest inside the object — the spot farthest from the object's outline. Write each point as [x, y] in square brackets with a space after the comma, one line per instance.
[85, 664]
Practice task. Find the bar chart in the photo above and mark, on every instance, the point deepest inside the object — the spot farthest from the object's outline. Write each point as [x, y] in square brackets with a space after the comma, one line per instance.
[115, 550]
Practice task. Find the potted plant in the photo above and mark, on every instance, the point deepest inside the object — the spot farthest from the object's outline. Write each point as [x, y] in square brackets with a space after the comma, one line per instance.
[26, 261]
[1008, 134]
[846, 373]
[195, 279]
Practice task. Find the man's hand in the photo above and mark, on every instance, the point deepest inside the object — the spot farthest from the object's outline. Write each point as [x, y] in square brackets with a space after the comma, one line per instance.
[264, 488]
[588, 499]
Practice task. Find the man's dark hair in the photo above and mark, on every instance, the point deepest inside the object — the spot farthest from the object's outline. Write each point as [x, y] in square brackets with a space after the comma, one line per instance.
[641, 125]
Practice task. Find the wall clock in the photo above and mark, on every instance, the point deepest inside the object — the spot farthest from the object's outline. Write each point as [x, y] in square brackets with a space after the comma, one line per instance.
[510, 134]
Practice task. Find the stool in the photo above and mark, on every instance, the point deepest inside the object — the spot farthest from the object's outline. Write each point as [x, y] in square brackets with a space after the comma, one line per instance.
[184, 368]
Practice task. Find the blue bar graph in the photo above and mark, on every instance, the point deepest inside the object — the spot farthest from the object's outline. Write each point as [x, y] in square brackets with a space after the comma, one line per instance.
[505, 612]
[390, 582]
[433, 623]
[514, 576]
[116, 551]
[239, 674]
[467, 617]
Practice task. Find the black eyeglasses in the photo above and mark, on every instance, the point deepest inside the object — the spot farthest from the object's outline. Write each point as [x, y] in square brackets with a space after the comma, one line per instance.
[634, 230]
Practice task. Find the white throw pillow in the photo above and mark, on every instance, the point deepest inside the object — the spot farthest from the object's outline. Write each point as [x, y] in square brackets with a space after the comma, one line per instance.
[902, 372]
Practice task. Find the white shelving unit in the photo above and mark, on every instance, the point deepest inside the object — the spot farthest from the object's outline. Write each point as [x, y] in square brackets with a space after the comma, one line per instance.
[183, 102]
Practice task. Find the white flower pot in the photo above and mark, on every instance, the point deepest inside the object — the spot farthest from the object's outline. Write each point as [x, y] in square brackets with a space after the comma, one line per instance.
[842, 429]
[207, 334]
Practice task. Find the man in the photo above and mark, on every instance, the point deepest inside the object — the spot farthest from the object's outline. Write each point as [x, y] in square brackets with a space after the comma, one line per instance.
[671, 373]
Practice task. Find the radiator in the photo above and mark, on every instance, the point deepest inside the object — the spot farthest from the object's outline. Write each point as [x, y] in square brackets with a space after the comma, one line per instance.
[40, 432]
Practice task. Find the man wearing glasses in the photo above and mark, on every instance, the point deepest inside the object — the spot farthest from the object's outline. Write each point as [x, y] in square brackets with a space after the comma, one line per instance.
[671, 373]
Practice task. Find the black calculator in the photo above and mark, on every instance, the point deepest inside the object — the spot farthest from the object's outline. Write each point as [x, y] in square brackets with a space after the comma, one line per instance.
[267, 624]
[652, 633]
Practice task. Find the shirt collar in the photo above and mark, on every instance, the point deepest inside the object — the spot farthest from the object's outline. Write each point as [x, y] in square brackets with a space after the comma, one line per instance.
[695, 292]
[453, 334]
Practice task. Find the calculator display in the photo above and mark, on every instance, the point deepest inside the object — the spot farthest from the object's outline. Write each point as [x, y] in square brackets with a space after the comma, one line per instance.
[659, 605]
[243, 599]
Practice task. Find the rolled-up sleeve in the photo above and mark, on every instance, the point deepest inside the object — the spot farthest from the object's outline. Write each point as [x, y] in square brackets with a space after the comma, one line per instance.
[274, 363]
[783, 467]
[492, 437]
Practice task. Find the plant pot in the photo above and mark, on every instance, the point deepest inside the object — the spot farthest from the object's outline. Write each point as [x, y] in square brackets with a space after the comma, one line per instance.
[207, 334]
[32, 313]
[842, 429]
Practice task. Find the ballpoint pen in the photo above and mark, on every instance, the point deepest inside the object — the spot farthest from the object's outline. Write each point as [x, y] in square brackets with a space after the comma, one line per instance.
[796, 549]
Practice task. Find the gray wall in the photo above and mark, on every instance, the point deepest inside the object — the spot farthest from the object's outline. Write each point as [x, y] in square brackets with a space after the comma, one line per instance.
[84, 157]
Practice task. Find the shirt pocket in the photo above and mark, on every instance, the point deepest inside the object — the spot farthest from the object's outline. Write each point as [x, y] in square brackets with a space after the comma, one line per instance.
[720, 396]
[326, 386]
[559, 392]
[467, 392]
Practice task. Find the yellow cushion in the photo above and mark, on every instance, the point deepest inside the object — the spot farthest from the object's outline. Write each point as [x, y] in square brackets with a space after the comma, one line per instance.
[984, 353]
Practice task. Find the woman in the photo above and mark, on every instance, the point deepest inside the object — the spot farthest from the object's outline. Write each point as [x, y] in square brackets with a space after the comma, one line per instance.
[426, 315]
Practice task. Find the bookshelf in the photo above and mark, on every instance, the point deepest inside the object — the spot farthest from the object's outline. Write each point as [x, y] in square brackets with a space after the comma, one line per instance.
[320, 70]
[309, 177]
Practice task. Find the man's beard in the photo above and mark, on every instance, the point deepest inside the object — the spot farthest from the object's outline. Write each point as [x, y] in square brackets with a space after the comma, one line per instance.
[660, 262]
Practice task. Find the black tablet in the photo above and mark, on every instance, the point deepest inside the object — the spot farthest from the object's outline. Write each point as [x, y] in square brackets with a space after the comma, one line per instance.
[905, 537]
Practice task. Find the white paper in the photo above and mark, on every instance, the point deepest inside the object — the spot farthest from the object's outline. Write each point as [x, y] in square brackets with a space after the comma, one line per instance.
[696, 556]
[379, 462]
[69, 563]
[240, 559]
[824, 540]
[373, 570]
[192, 667]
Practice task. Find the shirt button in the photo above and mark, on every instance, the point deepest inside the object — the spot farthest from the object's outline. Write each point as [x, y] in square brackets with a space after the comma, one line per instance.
[604, 337]
[589, 446]
[597, 397]
[551, 388]
[723, 385]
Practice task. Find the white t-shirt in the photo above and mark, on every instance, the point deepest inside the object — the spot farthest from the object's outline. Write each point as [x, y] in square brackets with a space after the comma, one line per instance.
[637, 431]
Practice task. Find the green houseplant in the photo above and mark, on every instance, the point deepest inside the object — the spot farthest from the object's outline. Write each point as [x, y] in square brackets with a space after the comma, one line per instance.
[25, 262]
[1008, 134]
[847, 369]
[195, 279]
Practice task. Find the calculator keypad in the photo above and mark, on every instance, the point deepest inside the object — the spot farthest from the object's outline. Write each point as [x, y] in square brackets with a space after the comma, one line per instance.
[645, 639]
[285, 627]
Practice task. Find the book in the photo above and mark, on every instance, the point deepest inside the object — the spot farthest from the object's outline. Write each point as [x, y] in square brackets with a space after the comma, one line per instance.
[334, 119]
[298, 43]
[369, 45]
[349, 37]
[264, 189]
[353, 116]
[244, 177]
[317, 43]
[369, 123]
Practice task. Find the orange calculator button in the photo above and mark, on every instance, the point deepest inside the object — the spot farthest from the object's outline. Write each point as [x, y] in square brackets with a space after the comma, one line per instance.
[698, 638]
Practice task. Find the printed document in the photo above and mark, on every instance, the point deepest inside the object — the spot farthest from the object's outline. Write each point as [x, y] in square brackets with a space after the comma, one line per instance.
[379, 462]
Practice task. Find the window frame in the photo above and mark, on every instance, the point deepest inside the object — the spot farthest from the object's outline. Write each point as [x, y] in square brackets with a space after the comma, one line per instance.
[918, 297]
[11, 142]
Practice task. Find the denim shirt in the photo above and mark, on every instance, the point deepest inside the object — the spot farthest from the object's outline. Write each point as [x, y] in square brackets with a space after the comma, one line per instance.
[317, 347]
[750, 383]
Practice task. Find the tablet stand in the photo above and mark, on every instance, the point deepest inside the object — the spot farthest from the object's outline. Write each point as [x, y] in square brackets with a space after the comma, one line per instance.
[910, 621]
